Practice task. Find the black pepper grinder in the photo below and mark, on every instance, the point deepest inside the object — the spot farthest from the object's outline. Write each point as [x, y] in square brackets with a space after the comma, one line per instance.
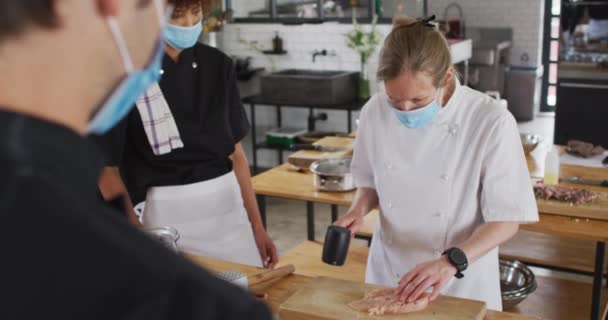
[277, 43]
[335, 248]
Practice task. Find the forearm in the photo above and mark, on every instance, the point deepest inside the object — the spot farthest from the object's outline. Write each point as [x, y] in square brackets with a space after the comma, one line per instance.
[112, 187]
[110, 184]
[487, 237]
[243, 175]
[366, 199]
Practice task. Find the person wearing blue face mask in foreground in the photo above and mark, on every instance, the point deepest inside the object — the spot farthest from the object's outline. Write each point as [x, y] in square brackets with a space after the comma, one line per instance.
[180, 155]
[445, 166]
[66, 255]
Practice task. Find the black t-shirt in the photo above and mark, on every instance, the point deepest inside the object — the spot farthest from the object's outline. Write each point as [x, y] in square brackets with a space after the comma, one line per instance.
[64, 256]
[201, 91]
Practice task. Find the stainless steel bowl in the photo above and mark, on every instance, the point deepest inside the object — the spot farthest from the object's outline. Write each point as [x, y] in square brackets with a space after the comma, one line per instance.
[333, 175]
[529, 141]
[167, 236]
[517, 282]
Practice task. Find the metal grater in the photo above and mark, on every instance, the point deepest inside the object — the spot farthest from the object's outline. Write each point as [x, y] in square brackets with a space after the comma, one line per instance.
[235, 277]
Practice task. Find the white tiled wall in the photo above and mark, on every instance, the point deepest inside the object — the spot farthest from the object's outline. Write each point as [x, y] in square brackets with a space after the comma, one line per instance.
[524, 16]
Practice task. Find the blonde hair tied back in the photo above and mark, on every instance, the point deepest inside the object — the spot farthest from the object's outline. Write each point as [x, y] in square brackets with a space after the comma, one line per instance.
[413, 46]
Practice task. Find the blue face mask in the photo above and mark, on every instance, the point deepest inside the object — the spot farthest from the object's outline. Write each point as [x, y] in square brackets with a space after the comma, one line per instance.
[183, 37]
[420, 117]
[123, 98]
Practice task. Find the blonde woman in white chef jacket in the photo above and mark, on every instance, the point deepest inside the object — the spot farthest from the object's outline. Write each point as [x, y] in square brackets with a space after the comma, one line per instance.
[445, 166]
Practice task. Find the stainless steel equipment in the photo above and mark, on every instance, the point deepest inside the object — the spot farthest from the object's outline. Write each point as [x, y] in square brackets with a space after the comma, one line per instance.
[490, 59]
[517, 282]
[529, 141]
[167, 236]
[523, 91]
[333, 175]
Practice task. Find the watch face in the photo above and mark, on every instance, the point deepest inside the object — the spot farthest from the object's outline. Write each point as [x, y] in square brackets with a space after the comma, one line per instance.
[458, 257]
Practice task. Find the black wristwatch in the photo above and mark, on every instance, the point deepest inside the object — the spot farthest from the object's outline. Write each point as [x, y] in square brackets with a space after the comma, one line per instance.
[458, 259]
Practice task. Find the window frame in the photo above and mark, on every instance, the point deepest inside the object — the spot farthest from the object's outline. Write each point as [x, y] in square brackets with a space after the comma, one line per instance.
[546, 60]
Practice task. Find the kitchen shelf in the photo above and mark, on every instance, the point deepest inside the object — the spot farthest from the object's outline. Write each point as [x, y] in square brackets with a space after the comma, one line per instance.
[276, 53]
[255, 101]
[264, 145]
[584, 3]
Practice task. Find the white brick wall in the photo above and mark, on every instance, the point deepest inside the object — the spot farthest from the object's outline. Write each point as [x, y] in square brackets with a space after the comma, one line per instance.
[524, 16]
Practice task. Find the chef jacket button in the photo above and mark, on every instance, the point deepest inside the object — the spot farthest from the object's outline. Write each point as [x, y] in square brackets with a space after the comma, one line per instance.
[390, 205]
[194, 65]
[389, 166]
[162, 71]
[445, 177]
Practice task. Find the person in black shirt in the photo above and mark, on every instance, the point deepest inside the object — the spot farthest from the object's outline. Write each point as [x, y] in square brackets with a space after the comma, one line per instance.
[200, 184]
[65, 255]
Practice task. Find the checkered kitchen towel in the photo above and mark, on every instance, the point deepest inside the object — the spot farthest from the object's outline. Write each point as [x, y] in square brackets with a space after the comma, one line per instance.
[158, 121]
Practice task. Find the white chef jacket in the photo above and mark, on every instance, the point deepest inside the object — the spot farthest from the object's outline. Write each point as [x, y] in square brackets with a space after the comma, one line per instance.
[438, 183]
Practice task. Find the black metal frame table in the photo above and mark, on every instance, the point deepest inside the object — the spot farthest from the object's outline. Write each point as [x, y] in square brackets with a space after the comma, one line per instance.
[255, 101]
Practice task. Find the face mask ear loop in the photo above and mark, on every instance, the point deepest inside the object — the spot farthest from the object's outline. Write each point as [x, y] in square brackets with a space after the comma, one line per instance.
[162, 20]
[120, 44]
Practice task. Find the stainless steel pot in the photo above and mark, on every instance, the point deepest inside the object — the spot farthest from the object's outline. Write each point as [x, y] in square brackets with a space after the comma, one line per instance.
[167, 236]
[333, 175]
[517, 282]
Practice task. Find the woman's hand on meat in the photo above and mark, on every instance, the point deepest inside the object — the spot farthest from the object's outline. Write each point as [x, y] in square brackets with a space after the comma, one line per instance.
[433, 274]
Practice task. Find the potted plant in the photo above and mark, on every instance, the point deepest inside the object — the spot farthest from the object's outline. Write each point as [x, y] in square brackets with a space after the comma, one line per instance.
[214, 21]
[365, 43]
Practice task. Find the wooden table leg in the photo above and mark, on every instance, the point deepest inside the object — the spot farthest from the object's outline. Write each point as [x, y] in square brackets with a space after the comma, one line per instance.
[598, 276]
[310, 220]
[334, 213]
[262, 207]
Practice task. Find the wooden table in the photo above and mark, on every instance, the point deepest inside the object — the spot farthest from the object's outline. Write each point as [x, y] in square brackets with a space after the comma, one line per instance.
[280, 291]
[553, 299]
[283, 182]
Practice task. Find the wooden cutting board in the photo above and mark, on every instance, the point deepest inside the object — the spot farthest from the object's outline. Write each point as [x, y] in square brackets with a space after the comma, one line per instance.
[304, 158]
[328, 299]
[598, 209]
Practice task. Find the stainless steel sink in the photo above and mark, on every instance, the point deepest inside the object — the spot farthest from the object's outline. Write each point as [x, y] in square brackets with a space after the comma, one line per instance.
[310, 87]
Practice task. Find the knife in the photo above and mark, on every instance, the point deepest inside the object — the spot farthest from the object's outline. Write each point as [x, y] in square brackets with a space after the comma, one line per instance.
[590, 182]
[316, 148]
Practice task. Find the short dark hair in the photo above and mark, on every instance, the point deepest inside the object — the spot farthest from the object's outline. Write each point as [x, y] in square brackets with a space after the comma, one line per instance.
[16, 15]
[178, 4]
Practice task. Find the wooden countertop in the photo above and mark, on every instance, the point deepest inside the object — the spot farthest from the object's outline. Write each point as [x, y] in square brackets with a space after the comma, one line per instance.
[285, 183]
[280, 291]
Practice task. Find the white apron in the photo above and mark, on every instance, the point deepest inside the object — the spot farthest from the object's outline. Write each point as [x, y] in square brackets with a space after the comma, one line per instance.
[429, 182]
[210, 217]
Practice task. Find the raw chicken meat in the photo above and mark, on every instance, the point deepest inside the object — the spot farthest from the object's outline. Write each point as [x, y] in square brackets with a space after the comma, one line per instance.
[563, 193]
[385, 302]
